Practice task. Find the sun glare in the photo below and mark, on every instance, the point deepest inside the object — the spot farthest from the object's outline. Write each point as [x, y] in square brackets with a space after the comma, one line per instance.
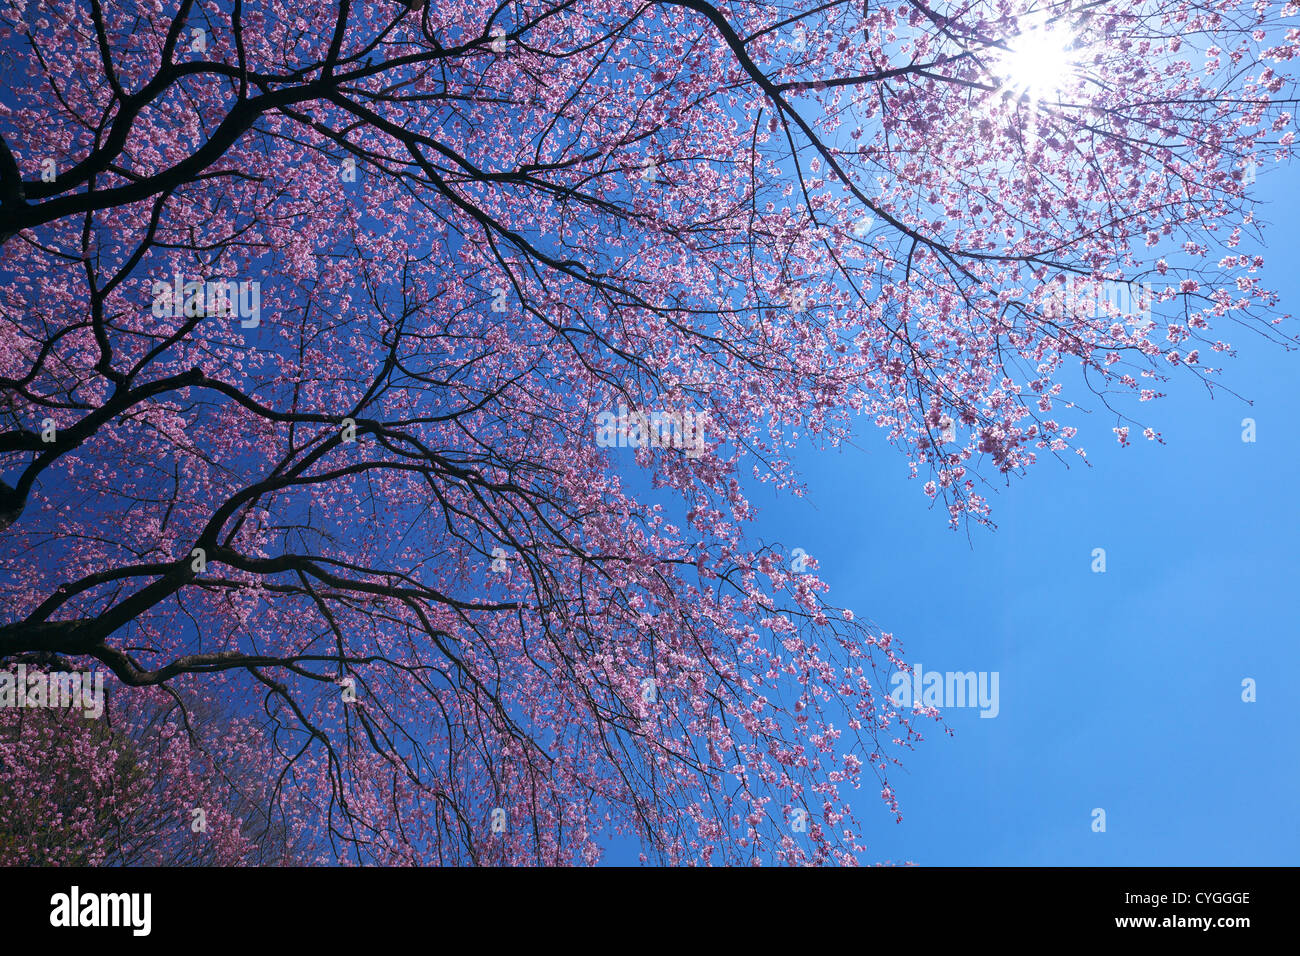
[1038, 62]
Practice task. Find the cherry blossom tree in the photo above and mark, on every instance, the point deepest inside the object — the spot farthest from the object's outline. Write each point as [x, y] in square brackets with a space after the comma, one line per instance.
[310, 312]
[109, 792]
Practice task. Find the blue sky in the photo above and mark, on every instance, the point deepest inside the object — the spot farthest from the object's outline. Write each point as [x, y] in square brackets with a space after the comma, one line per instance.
[1120, 690]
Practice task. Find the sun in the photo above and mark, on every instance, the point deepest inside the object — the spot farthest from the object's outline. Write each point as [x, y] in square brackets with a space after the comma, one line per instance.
[1038, 62]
